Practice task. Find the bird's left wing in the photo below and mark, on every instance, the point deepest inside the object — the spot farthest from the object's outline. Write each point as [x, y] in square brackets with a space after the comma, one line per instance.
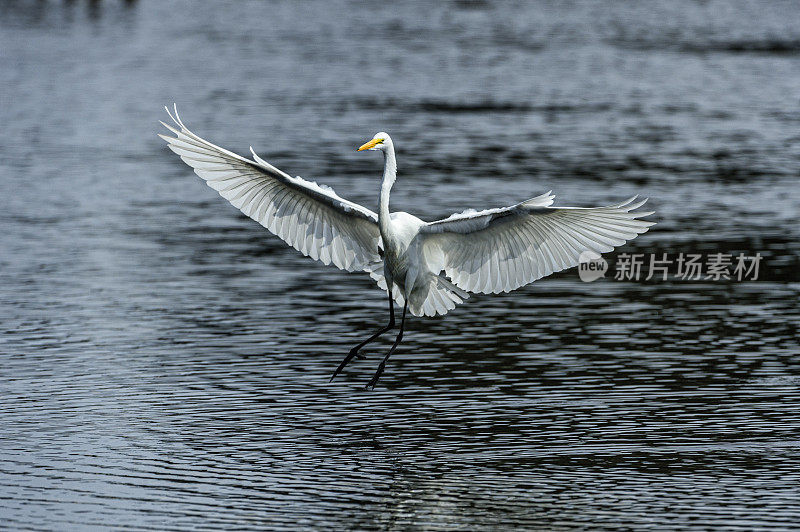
[308, 217]
[500, 250]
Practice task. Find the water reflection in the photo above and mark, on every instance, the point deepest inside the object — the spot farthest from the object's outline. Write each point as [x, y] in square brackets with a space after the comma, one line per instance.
[47, 14]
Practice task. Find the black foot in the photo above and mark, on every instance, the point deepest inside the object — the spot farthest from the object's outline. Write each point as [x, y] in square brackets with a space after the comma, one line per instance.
[350, 356]
[371, 384]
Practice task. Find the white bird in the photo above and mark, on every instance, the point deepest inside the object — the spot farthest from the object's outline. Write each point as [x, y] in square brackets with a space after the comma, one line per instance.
[426, 267]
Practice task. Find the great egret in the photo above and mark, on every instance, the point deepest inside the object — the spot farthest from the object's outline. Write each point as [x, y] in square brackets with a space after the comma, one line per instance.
[426, 267]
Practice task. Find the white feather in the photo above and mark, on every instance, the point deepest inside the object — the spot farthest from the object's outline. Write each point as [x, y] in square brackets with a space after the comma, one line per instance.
[311, 218]
[489, 251]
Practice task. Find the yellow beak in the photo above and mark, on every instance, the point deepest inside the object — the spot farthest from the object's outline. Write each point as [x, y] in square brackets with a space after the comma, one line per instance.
[370, 144]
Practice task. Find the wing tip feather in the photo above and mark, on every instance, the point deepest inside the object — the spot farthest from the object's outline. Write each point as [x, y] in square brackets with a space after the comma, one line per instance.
[175, 117]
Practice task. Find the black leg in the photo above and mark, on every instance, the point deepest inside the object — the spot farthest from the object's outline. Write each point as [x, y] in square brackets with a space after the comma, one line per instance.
[354, 352]
[382, 365]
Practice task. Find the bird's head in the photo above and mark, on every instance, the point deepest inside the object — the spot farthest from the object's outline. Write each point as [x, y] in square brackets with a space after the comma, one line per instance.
[381, 141]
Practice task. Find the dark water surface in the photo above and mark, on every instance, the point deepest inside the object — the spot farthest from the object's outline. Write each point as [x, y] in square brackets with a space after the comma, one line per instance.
[165, 360]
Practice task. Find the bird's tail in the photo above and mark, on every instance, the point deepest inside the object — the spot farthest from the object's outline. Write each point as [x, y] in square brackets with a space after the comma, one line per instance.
[437, 299]
[440, 297]
[375, 270]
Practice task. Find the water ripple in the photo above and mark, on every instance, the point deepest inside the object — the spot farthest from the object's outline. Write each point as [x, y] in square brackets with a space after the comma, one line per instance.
[165, 361]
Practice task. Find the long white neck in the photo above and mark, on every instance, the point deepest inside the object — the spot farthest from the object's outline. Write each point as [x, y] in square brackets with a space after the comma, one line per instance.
[389, 175]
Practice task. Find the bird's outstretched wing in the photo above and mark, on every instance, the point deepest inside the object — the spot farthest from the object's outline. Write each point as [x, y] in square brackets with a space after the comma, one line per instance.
[500, 250]
[308, 217]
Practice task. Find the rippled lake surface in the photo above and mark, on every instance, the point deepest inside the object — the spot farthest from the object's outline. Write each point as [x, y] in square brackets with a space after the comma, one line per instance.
[165, 361]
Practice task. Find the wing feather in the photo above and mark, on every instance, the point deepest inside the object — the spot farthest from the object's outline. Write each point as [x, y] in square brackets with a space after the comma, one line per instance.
[499, 250]
[312, 219]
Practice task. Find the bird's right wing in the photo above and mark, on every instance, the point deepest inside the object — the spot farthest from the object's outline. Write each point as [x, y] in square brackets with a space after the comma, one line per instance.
[500, 250]
[310, 218]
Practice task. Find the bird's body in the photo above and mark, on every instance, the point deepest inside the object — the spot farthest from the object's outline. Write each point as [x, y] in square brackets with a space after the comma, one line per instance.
[426, 267]
[401, 260]
[405, 264]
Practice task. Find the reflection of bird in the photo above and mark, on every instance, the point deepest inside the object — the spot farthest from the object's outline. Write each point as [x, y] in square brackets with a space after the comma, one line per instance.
[491, 251]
